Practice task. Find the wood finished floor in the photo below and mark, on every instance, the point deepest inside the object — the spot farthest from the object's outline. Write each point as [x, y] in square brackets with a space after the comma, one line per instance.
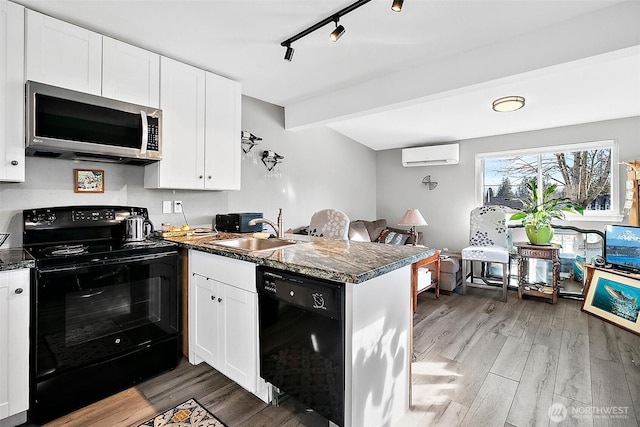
[479, 362]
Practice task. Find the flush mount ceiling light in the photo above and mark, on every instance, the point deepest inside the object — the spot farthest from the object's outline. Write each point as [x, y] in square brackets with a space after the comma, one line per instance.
[397, 5]
[508, 103]
[337, 33]
[339, 30]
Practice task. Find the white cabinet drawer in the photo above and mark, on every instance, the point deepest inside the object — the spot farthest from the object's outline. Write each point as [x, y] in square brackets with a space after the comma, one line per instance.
[241, 274]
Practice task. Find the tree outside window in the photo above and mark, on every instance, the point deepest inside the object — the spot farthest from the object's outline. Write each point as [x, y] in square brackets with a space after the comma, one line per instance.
[583, 174]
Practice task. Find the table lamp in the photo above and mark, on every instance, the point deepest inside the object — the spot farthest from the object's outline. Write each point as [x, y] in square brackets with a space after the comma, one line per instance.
[413, 218]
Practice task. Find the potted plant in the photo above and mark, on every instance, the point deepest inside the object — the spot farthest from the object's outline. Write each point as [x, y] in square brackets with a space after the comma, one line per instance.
[539, 209]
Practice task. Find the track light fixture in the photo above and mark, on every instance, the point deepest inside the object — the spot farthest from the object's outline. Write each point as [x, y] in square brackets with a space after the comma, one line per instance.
[337, 33]
[288, 55]
[397, 5]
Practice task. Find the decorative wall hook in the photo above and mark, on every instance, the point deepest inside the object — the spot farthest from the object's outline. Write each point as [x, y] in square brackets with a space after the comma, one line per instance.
[430, 184]
[271, 159]
[248, 141]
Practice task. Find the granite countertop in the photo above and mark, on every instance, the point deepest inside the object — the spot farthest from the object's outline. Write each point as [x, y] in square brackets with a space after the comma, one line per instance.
[14, 259]
[337, 260]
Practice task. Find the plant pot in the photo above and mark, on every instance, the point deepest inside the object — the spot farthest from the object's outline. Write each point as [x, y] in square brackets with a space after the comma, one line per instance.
[539, 236]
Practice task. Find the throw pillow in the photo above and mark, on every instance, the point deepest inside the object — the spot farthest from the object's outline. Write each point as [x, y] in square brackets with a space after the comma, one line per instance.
[358, 232]
[392, 238]
[374, 228]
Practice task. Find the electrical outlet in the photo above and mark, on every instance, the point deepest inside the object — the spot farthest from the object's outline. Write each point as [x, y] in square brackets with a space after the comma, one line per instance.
[177, 206]
[166, 206]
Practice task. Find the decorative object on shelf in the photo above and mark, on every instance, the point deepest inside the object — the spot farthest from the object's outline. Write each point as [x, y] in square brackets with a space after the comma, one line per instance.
[88, 181]
[335, 18]
[430, 184]
[413, 218]
[540, 208]
[271, 159]
[507, 104]
[614, 298]
[248, 141]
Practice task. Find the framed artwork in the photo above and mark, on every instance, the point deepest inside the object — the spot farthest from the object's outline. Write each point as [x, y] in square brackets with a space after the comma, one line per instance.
[614, 298]
[88, 180]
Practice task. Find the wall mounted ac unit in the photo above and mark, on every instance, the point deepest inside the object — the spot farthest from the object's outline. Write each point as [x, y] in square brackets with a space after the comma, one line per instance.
[431, 155]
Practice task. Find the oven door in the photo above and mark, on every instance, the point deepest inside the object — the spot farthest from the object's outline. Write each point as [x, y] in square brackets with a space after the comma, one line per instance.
[90, 313]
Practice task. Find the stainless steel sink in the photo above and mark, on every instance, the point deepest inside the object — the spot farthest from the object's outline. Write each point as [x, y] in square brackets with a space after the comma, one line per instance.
[251, 244]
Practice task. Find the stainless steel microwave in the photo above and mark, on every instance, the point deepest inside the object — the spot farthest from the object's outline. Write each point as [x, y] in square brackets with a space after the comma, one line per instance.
[62, 123]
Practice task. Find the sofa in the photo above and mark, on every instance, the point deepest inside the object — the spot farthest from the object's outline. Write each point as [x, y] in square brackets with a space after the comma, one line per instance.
[378, 231]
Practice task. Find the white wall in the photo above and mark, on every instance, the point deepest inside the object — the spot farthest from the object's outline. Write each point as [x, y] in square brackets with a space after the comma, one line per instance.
[321, 169]
[446, 208]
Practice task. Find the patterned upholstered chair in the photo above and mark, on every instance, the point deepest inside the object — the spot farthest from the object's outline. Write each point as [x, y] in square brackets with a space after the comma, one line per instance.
[488, 240]
[330, 223]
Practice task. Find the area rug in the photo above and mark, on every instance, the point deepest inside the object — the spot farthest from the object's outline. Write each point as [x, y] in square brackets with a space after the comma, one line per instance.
[187, 414]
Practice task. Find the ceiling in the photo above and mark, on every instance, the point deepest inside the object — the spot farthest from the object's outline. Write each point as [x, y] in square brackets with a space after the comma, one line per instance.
[425, 75]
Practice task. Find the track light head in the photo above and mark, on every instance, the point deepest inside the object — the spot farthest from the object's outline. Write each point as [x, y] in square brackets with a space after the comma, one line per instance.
[397, 5]
[337, 33]
[288, 55]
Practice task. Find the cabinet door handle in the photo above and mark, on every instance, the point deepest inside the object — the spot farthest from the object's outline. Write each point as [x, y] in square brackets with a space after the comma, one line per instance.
[209, 177]
[219, 299]
[213, 298]
[200, 176]
[14, 162]
[19, 291]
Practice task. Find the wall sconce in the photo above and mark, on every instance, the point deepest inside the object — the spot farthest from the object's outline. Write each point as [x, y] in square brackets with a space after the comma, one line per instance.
[248, 141]
[271, 159]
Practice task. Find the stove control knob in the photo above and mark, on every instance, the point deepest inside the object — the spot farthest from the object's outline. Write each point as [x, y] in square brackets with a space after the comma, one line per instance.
[50, 217]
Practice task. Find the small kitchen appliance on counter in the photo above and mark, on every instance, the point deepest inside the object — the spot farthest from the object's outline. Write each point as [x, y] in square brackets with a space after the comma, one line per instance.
[237, 222]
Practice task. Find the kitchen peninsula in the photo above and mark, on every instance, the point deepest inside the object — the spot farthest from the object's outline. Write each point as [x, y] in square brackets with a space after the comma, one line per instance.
[376, 281]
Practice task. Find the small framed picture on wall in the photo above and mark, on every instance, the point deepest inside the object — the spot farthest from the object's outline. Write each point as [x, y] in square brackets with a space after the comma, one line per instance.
[88, 180]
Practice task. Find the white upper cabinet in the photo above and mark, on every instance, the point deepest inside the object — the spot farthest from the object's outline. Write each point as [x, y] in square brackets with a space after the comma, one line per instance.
[200, 130]
[182, 102]
[62, 54]
[130, 73]
[11, 92]
[222, 134]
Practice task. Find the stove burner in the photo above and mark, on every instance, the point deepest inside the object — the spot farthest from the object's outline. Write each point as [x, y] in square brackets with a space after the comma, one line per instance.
[66, 250]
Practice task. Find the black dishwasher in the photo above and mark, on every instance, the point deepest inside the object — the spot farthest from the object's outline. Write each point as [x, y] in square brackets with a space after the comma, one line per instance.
[302, 339]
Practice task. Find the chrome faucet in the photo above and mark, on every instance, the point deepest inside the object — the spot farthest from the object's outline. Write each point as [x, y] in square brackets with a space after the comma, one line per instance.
[279, 229]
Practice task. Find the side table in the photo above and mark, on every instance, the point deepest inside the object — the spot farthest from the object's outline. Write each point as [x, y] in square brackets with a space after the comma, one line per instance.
[433, 259]
[527, 251]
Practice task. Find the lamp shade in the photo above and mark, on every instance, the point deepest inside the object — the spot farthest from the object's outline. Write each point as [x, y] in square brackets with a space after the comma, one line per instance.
[412, 217]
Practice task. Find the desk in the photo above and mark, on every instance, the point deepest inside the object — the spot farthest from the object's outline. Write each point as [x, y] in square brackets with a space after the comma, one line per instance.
[433, 259]
[527, 251]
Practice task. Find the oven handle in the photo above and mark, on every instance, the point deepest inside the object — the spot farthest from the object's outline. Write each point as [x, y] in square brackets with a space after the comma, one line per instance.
[98, 262]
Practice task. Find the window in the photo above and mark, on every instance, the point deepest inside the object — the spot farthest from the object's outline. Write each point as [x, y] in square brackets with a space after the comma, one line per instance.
[583, 173]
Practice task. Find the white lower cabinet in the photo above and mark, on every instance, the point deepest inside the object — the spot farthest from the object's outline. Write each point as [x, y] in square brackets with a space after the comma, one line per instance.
[223, 318]
[14, 342]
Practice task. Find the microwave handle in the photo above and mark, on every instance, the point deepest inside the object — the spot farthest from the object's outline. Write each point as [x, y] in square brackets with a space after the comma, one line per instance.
[145, 132]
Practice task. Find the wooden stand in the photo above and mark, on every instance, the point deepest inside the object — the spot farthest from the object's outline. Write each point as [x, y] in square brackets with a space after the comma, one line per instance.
[433, 259]
[550, 253]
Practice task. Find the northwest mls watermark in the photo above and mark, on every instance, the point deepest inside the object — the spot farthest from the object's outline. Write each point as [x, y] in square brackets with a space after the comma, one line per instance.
[558, 412]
